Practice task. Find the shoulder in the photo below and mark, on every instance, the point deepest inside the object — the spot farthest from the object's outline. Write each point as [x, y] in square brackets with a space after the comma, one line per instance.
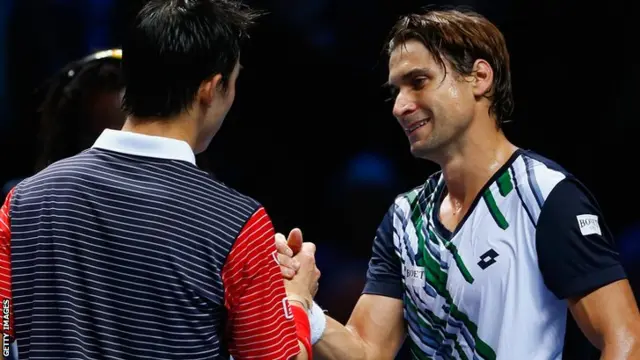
[552, 183]
[174, 180]
[222, 196]
[575, 248]
[538, 174]
[542, 182]
[570, 206]
[248, 204]
[73, 165]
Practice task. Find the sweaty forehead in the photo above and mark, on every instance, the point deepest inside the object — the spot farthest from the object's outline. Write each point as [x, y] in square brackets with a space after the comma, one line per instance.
[408, 56]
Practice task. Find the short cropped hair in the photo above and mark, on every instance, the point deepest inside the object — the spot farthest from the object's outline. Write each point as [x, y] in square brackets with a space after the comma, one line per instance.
[175, 45]
[461, 37]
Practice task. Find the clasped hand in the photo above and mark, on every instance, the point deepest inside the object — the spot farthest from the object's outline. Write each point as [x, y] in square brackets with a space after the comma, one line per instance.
[298, 266]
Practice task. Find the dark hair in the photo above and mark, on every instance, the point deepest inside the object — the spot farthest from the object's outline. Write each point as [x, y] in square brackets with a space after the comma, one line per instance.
[64, 111]
[461, 37]
[175, 45]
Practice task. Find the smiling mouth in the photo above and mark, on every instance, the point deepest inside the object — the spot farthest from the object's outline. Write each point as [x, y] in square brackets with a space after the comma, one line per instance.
[415, 126]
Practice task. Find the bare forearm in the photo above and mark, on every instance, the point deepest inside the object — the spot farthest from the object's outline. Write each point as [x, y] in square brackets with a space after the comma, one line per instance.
[340, 342]
[374, 331]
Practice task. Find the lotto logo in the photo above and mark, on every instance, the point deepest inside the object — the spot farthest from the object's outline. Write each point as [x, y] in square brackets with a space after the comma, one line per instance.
[487, 259]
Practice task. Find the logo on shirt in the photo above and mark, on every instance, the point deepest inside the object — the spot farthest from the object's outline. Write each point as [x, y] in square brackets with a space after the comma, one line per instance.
[487, 259]
[414, 275]
[589, 224]
[288, 314]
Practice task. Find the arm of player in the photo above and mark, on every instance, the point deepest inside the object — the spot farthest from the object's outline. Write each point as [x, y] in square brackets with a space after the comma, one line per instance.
[374, 331]
[261, 324]
[376, 328]
[578, 261]
[609, 318]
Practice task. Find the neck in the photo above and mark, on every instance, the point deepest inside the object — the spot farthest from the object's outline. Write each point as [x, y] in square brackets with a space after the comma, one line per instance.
[467, 168]
[181, 127]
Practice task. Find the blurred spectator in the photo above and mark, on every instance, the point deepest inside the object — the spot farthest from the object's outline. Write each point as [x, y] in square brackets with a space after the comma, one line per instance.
[78, 102]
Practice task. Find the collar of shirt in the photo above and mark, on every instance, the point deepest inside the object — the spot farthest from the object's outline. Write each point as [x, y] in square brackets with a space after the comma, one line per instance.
[145, 145]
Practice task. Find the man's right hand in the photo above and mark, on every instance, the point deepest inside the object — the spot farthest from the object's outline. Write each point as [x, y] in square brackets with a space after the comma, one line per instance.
[298, 266]
[287, 249]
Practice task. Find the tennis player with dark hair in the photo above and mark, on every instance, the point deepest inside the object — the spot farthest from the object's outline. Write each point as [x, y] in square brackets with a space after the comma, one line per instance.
[128, 250]
[490, 256]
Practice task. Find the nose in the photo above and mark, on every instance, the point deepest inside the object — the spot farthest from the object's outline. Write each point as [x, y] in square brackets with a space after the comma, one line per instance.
[403, 106]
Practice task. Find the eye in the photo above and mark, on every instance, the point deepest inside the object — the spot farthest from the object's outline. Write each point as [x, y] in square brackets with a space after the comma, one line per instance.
[418, 82]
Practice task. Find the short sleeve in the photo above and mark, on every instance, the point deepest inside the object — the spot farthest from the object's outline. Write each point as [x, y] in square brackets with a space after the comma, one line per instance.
[260, 320]
[384, 276]
[576, 251]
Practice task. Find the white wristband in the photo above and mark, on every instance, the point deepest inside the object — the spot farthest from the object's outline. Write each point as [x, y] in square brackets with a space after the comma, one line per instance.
[318, 322]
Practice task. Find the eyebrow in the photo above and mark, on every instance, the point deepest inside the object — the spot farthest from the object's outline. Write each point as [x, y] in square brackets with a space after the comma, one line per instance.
[408, 75]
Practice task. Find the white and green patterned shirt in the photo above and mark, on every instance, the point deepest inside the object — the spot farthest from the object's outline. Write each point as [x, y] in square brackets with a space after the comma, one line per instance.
[496, 287]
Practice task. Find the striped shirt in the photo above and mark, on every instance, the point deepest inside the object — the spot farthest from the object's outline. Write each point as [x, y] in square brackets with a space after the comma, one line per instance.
[129, 251]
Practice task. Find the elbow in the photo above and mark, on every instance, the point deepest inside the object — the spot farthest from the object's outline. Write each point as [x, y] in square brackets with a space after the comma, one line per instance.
[624, 344]
[632, 341]
[365, 349]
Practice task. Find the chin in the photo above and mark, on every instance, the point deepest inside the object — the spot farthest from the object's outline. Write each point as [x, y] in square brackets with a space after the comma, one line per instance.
[423, 149]
[419, 152]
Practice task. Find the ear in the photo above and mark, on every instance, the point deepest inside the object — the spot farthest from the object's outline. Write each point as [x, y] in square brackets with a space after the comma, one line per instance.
[483, 77]
[208, 89]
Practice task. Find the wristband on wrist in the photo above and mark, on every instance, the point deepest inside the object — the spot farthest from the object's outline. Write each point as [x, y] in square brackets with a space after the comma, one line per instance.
[303, 328]
[317, 322]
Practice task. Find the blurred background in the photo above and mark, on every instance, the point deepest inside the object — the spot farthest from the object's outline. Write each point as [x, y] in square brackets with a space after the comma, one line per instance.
[310, 135]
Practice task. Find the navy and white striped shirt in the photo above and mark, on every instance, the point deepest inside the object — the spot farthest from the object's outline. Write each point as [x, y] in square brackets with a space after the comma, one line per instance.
[129, 251]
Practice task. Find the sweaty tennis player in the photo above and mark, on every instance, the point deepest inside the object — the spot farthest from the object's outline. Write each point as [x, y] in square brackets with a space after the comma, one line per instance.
[492, 255]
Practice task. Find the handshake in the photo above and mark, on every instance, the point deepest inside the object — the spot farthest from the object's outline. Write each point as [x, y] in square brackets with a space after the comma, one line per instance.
[298, 267]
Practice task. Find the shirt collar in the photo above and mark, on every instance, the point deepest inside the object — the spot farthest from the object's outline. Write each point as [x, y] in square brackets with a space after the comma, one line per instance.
[145, 145]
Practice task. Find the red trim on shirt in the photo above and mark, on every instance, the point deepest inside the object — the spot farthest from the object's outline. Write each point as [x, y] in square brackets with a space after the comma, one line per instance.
[260, 319]
[5, 264]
